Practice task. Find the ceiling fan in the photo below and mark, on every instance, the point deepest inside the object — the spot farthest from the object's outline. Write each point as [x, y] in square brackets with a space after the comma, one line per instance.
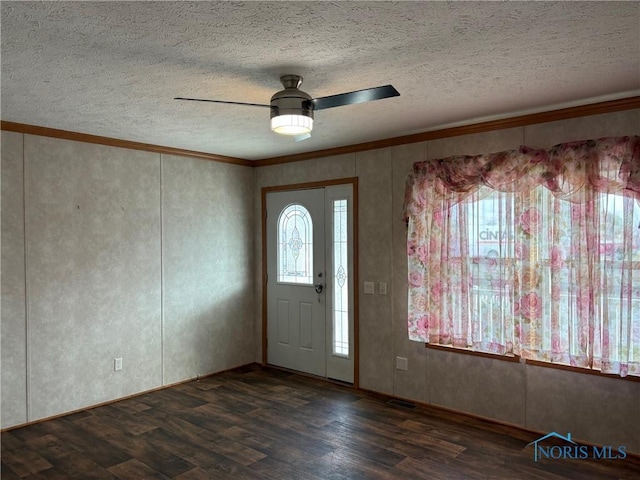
[292, 109]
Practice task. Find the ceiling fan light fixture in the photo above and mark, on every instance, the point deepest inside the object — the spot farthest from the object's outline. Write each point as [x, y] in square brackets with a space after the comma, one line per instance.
[292, 124]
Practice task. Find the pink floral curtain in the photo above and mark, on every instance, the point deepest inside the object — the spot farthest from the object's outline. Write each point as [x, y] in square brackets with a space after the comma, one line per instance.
[530, 252]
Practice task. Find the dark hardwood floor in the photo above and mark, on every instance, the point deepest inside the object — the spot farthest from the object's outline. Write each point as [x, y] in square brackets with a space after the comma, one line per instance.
[256, 423]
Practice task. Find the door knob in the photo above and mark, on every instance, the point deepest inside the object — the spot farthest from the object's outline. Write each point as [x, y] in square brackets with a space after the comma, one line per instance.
[319, 288]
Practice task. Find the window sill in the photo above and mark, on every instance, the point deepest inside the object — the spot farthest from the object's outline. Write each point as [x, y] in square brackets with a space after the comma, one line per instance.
[495, 356]
[588, 371]
[536, 363]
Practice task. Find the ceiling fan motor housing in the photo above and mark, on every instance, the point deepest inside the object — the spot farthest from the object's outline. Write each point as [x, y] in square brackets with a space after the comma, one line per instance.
[291, 100]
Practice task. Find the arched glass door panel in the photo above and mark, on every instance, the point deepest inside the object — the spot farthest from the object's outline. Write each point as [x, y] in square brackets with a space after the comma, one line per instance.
[295, 245]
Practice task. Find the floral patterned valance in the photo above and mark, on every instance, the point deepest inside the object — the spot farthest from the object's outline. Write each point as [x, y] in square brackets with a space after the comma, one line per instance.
[609, 165]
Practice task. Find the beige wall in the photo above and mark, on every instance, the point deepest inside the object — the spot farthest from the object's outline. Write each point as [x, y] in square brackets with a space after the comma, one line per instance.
[595, 409]
[207, 240]
[109, 252]
[13, 330]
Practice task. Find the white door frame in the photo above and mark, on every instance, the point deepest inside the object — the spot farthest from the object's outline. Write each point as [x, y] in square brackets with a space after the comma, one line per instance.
[353, 181]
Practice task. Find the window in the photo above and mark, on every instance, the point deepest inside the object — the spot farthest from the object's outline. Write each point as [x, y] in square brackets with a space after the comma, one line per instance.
[530, 253]
[340, 279]
[295, 246]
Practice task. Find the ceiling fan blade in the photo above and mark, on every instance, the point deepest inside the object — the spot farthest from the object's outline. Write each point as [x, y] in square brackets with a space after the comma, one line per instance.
[359, 96]
[222, 101]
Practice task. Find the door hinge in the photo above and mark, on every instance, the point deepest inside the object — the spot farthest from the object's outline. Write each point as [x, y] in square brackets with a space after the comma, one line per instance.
[266, 278]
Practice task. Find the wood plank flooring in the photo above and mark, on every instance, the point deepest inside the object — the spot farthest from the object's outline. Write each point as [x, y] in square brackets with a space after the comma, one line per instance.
[261, 423]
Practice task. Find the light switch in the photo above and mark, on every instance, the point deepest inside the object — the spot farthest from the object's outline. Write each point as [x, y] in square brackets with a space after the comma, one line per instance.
[369, 287]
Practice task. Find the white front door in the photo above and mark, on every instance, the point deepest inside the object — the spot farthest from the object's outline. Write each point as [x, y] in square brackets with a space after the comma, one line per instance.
[310, 281]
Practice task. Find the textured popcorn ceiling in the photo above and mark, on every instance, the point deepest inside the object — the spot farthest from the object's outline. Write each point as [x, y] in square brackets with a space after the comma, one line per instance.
[113, 68]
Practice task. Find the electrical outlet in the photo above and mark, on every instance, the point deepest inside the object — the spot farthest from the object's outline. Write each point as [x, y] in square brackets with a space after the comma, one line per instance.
[117, 364]
[402, 363]
[382, 288]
